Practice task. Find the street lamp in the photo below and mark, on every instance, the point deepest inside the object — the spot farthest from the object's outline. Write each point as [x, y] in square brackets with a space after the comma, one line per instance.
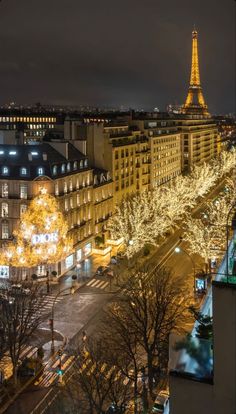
[52, 316]
[179, 250]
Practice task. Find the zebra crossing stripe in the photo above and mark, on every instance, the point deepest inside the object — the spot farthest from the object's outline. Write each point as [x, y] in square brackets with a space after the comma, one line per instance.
[95, 283]
[105, 285]
[99, 284]
[91, 281]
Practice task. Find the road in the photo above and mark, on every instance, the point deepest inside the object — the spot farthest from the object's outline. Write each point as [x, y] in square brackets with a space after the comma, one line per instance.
[82, 311]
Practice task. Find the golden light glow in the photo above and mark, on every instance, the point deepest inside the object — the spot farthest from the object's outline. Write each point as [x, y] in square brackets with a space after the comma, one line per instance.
[41, 237]
[195, 99]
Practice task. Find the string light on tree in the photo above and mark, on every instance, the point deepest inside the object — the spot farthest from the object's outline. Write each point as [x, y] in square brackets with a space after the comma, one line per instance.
[41, 237]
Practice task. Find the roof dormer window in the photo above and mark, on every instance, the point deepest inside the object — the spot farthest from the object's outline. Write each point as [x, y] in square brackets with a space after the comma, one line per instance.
[5, 170]
[40, 171]
[23, 171]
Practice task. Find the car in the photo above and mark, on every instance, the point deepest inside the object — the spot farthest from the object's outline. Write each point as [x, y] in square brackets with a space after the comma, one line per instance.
[114, 260]
[100, 270]
[161, 402]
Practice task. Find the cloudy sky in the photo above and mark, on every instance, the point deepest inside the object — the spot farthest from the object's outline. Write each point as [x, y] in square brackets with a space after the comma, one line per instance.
[135, 53]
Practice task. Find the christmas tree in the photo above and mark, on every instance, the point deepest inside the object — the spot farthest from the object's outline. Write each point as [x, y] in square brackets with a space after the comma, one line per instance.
[41, 237]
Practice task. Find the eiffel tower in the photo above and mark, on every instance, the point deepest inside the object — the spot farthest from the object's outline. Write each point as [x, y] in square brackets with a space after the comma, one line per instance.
[195, 103]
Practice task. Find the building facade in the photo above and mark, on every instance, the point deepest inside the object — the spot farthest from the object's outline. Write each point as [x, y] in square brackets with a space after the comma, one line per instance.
[65, 173]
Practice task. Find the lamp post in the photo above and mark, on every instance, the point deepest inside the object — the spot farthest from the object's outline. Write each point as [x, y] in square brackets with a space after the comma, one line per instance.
[179, 250]
[52, 317]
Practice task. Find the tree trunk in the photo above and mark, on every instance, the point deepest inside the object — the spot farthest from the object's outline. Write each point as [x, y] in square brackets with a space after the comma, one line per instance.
[150, 375]
[14, 374]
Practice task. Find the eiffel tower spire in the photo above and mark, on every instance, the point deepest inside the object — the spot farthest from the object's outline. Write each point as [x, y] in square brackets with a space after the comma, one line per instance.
[195, 103]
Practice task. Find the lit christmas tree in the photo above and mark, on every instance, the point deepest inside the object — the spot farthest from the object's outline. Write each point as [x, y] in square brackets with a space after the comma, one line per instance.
[41, 237]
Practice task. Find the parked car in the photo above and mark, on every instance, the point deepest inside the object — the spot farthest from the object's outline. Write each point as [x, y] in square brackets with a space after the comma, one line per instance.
[161, 402]
[114, 260]
[100, 270]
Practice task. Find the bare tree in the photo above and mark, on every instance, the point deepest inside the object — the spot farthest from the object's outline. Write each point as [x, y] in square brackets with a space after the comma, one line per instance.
[20, 316]
[155, 303]
[96, 382]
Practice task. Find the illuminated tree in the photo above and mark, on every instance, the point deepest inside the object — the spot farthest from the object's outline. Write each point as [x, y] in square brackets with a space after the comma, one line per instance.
[144, 217]
[41, 237]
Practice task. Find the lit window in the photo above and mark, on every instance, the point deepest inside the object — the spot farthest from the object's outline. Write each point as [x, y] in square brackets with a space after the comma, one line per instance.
[81, 164]
[4, 190]
[75, 165]
[40, 171]
[65, 187]
[4, 210]
[71, 202]
[66, 204]
[23, 171]
[56, 189]
[86, 162]
[70, 185]
[78, 200]
[12, 152]
[5, 170]
[54, 170]
[1, 152]
[5, 230]
[63, 168]
[34, 153]
[23, 191]
[68, 167]
[23, 208]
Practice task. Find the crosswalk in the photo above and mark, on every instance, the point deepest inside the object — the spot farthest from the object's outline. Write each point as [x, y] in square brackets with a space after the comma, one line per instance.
[47, 304]
[97, 283]
[51, 376]
[6, 364]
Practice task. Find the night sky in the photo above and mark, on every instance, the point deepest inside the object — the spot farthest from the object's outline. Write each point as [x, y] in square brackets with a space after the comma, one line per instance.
[135, 53]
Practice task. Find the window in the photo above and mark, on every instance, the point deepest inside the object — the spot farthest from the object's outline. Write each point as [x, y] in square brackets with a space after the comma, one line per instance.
[56, 189]
[68, 167]
[54, 170]
[78, 200]
[4, 210]
[71, 202]
[40, 171]
[63, 168]
[23, 208]
[12, 152]
[65, 187]
[75, 165]
[86, 162]
[23, 171]
[81, 164]
[5, 170]
[66, 204]
[23, 191]
[70, 185]
[5, 190]
[5, 230]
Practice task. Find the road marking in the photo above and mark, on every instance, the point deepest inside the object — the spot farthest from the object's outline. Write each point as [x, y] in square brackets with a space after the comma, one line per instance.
[95, 283]
[91, 281]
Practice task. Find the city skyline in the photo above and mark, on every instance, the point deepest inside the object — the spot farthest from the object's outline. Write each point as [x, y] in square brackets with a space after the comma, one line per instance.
[69, 53]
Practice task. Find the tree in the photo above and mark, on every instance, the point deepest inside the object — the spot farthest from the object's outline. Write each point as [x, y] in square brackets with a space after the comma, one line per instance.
[20, 316]
[41, 237]
[96, 382]
[144, 217]
[204, 328]
[141, 322]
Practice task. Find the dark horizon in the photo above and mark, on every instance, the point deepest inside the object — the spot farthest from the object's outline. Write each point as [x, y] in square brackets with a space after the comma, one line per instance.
[126, 54]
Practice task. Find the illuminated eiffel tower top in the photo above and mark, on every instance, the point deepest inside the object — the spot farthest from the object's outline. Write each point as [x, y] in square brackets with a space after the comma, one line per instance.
[195, 103]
